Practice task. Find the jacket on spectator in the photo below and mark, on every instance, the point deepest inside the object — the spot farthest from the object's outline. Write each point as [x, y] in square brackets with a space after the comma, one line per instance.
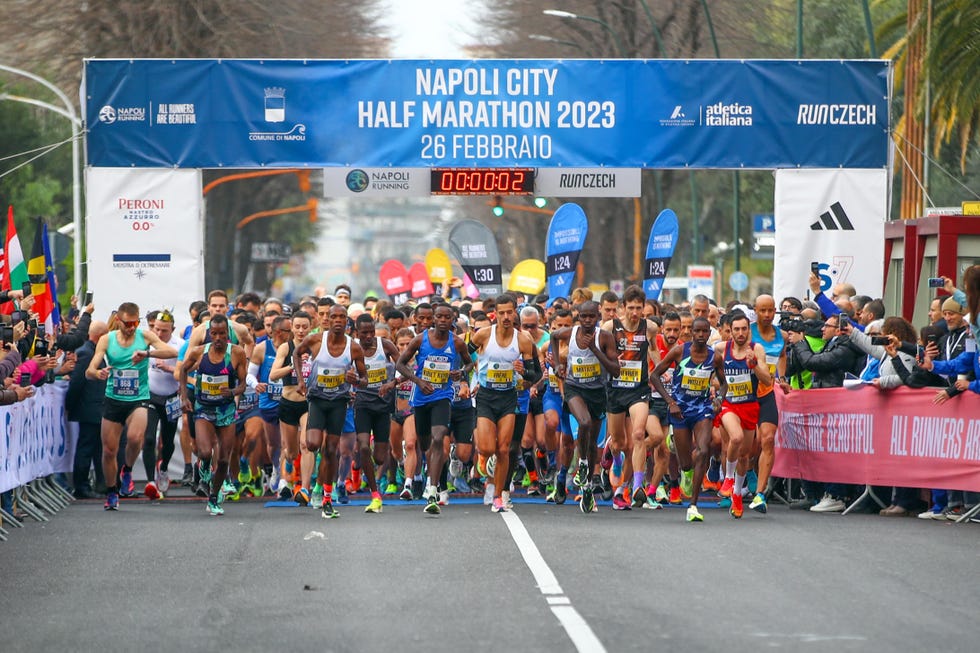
[830, 365]
[83, 402]
[799, 377]
[888, 376]
[963, 364]
[8, 364]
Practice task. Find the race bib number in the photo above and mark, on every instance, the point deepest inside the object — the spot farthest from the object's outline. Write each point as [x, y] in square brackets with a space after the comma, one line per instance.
[213, 384]
[172, 406]
[771, 361]
[377, 374]
[500, 375]
[248, 401]
[436, 372]
[585, 369]
[553, 380]
[630, 372]
[273, 390]
[126, 383]
[330, 378]
[739, 386]
[695, 380]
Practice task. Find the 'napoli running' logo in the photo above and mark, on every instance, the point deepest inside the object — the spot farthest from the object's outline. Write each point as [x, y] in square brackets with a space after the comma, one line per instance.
[357, 181]
[107, 115]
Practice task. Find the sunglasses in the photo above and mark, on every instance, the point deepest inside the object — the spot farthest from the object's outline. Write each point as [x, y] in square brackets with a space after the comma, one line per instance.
[529, 326]
[130, 323]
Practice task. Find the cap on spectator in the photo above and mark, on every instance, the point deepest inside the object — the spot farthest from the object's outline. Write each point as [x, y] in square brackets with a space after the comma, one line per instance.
[953, 306]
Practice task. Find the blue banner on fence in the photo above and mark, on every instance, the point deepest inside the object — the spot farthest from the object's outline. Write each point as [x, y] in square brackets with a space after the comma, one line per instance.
[566, 239]
[660, 249]
[539, 113]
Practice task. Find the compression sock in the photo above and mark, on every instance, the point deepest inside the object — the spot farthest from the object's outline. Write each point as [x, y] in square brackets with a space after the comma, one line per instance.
[730, 468]
[739, 481]
[637, 480]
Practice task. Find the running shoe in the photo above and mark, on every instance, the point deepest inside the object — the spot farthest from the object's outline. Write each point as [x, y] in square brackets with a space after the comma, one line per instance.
[607, 458]
[751, 481]
[244, 472]
[505, 497]
[205, 473]
[214, 509]
[432, 505]
[620, 503]
[126, 486]
[285, 491]
[602, 481]
[736, 509]
[491, 464]
[653, 504]
[455, 464]
[639, 498]
[374, 506]
[151, 491]
[758, 503]
[418, 486]
[444, 498]
[498, 506]
[687, 483]
[725, 502]
[342, 496]
[476, 485]
[316, 497]
[582, 474]
[675, 495]
[227, 490]
[302, 496]
[550, 497]
[587, 503]
[659, 494]
[707, 485]
[406, 493]
[203, 489]
[187, 480]
[534, 489]
[714, 471]
[274, 479]
[727, 487]
[327, 511]
[391, 489]
[693, 514]
[525, 481]
[161, 478]
[561, 493]
[617, 466]
[461, 485]
[488, 493]
[111, 501]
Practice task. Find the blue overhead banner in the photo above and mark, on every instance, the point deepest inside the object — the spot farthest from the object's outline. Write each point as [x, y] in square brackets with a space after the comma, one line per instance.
[536, 113]
[660, 250]
[566, 238]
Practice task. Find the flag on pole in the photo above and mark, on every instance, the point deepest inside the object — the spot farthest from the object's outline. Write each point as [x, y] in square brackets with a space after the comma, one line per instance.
[40, 271]
[14, 266]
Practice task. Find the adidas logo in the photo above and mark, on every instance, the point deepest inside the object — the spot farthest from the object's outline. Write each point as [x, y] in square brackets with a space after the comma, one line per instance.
[827, 222]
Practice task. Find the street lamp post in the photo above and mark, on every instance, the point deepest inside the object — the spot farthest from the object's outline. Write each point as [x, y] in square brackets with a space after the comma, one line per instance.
[558, 13]
[76, 134]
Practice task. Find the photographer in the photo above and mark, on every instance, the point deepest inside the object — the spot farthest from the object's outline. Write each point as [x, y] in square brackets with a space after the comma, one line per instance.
[885, 348]
[805, 327]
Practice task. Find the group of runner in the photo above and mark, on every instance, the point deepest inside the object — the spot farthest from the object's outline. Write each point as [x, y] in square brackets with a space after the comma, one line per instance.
[312, 402]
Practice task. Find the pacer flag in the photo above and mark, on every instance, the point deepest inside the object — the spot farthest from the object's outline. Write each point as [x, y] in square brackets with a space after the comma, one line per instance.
[475, 247]
[395, 280]
[566, 238]
[421, 286]
[660, 249]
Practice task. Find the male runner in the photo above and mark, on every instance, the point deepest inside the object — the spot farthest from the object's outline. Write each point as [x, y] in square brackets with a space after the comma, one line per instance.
[372, 403]
[337, 363]
[691, 407]
[504, 352]
[218, 305]
[771, 339]
[556, 419]
[745, 367]
[221, 369]
[628, 394]
[126, 353]
[591, 355]
[658, 422]
[440, 358]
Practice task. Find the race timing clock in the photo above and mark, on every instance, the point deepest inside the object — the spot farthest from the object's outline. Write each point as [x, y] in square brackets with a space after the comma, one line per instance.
[482, 181]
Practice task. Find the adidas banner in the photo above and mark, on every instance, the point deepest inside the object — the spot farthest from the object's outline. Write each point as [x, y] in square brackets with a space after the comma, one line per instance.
[835, 218]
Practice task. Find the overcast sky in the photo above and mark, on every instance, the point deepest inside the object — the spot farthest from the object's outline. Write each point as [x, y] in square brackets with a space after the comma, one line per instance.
[436, 29]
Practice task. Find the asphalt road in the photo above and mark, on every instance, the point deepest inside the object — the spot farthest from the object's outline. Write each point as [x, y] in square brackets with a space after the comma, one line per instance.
[167, 576]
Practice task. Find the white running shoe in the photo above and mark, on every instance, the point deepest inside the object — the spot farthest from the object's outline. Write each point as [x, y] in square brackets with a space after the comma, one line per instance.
[505, 497]
[488, 493]
[444, 498]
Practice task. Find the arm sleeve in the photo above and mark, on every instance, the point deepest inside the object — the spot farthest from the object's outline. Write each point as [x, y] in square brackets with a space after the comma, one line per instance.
[532, 370]
[252, 378]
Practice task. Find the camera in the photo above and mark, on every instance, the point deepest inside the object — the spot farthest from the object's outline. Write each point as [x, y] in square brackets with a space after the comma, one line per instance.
[936, 282]
[880, 341]
[791, 322]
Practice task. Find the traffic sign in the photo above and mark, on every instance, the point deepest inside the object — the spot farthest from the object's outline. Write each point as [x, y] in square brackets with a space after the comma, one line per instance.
[738, 281]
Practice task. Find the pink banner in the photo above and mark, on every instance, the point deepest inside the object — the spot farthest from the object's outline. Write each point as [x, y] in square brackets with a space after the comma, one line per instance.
[867, 436]
[421, 286]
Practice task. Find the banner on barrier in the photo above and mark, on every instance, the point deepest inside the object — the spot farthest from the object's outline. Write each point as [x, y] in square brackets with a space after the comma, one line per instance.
[628, 113]
[35, 439]
[145, 238]
[835, 218]
[867, 436]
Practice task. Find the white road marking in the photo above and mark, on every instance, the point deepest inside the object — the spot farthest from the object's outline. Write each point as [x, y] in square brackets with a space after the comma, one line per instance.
[578, 629]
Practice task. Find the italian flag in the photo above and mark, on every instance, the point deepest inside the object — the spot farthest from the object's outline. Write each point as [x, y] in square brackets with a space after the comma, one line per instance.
[14, 265]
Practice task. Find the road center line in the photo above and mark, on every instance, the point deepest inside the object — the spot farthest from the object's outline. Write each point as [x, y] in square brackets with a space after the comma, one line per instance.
[578, 630]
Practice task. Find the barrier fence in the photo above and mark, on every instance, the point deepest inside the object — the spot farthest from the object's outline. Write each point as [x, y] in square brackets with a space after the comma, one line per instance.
[867, 436]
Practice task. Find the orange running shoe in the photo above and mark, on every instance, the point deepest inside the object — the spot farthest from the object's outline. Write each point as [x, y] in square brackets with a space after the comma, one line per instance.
[710, 486]
[736, 509]
[726, 488]
[675, 495]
